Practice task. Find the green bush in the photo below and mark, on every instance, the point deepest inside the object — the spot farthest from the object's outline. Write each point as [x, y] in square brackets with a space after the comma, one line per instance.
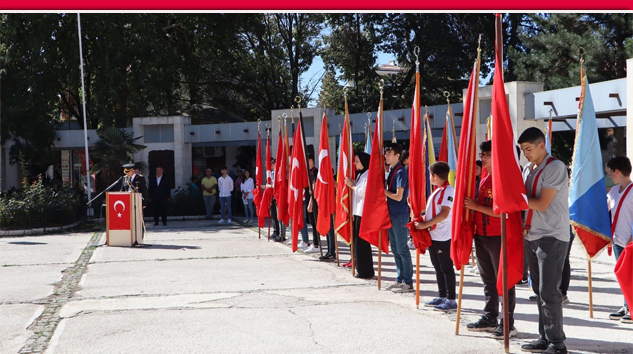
[37, 205]
[184, 204]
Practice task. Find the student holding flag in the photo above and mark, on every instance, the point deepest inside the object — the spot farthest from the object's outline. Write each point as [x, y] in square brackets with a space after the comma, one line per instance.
[362, 248]
[546, 229]
[439, 209]
[397, 185]
[621, 205]
[487, 250]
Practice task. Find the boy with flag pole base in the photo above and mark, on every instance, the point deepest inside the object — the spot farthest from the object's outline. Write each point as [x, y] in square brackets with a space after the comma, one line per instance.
[547, 233]
[620, 201]
[488, 249]
[439, 207]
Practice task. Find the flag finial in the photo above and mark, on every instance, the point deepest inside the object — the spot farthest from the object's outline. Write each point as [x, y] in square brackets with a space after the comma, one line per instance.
[268, 126]
[292, 114]
[447, 95]
[581, 52]
[381, 86]
[416, 52]
[479, 45]
[298, 100]
[259, 123]
[279, 123]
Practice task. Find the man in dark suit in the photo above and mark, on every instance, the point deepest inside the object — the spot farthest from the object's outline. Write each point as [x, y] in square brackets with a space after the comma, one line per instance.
[133, 181]
[159, 195]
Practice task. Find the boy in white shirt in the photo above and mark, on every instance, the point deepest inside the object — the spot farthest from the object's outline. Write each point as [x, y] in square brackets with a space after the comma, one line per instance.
[620, 199]
[438, 214]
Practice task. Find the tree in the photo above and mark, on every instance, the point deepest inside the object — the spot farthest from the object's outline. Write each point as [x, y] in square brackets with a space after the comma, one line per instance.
[114, 148]
[551, 42]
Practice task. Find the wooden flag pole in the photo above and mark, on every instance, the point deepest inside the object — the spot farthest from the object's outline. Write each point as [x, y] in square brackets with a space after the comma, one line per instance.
[504, 276]
[590, 289]
[417, 278]
[379, 258]
[335, 240]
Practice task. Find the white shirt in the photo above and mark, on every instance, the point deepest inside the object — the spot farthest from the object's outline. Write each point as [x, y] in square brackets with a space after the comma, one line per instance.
[247, 186]
[442, 231]
[225, 184]
[158, 180]
[358, 197]
[622, 234]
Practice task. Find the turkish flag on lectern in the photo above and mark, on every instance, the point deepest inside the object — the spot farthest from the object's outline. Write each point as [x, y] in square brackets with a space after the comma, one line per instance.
[298, 184]
[119, 212]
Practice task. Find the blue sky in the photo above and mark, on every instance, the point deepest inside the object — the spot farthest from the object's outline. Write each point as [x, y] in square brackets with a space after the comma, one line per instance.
[317, 69]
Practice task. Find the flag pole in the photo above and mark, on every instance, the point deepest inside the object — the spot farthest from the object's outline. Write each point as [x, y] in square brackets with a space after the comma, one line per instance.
[381, 85]
[416, 52]
[338, 264]
[268, 142]
[504, 240]
[581, 52]
[351, 216]
[259, 122]
[473, 145]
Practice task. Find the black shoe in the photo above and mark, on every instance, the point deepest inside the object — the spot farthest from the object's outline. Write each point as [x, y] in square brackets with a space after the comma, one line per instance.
[155, 224]
[164, 224]
[326, 257]
[553, 350]
[482, 325]
[523, 281]
[536, 346]
[618, 315]
[533, 297]
[363, 277]
[626, 318]
[498, 332]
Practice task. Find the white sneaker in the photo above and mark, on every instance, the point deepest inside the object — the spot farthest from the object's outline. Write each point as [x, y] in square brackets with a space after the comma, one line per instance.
[302, 245]
[289, 242]
[394, 286]
[230, 222]
[474, 270]
[221, 221]
[312, 249]
[411, 244]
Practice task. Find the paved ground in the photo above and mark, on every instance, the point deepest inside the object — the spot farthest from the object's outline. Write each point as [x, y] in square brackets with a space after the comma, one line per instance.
[208, 288]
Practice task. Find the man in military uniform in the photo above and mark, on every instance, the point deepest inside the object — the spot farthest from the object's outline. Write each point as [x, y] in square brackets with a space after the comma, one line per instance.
[134, 182]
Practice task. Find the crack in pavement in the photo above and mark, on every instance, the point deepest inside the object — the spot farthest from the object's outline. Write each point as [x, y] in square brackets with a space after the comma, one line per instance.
[312, 333]
[44, 326]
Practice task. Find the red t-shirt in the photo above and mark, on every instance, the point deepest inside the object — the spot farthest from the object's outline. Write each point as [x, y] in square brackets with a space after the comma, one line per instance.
[486, 225]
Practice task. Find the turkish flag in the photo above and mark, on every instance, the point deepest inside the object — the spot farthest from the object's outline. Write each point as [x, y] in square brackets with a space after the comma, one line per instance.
[375, 213]
[264, 206]
[508, 189]
[298, 184]
[444, 145]
[417, 168]
[324, 187]
[462, 225]
[119, 211]
[281, 180]
[342, 223]
[259, 175]
[624, 272]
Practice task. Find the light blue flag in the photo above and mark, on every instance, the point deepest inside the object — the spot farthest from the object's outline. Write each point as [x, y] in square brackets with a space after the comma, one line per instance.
[588, 208]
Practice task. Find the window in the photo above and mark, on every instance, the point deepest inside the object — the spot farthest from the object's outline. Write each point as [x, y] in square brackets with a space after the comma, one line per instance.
[160, 133]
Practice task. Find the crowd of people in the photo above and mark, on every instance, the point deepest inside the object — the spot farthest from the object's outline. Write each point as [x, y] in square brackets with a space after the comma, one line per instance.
[547, 235]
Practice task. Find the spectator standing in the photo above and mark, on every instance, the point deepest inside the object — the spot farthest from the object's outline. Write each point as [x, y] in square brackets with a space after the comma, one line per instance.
[225, 185]
[209, 192]
[247, 195]
[159, 195]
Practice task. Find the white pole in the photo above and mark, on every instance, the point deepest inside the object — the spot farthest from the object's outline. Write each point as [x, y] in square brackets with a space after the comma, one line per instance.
[83, 98]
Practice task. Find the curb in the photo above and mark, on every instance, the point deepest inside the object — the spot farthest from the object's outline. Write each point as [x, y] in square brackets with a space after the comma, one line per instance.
[34, 232]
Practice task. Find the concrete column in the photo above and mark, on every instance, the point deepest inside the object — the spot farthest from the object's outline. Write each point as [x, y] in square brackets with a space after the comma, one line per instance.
[629, 108]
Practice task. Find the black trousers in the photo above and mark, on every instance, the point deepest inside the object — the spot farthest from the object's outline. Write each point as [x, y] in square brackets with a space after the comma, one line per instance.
[440, 252]
[160, 210]
[488, 249]
[362, 253]
[564, 283]
[313, 221]
[273, 216]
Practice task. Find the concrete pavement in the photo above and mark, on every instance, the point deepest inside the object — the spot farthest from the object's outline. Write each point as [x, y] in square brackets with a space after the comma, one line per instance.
[204, 287]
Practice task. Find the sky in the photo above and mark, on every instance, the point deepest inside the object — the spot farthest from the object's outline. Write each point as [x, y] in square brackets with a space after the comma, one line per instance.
[316, 70]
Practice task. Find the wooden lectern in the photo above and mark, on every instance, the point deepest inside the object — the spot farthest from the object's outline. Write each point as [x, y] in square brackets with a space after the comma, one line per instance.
[124, 219]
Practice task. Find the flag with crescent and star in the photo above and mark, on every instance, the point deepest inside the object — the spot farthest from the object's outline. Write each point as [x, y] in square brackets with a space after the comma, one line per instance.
[119, 211]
